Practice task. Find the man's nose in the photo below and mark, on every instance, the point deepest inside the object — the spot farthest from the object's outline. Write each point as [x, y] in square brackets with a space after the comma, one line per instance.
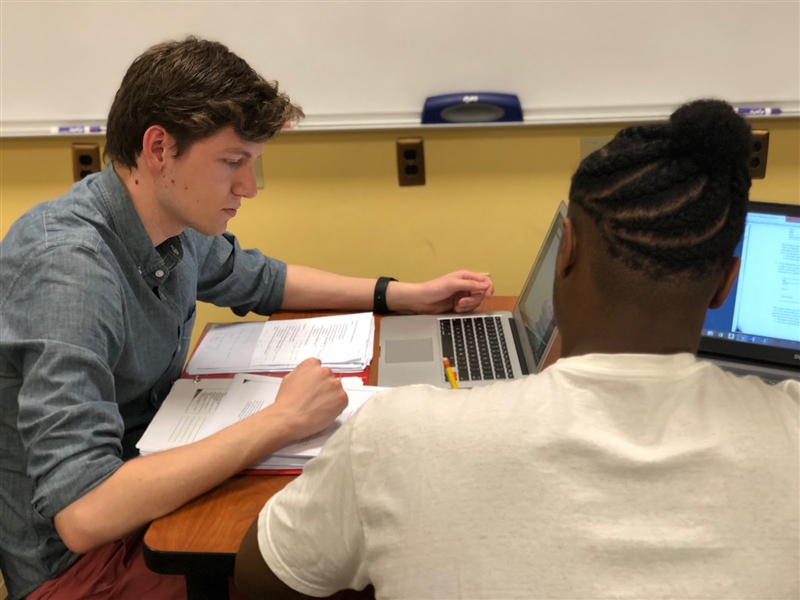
[245, 184]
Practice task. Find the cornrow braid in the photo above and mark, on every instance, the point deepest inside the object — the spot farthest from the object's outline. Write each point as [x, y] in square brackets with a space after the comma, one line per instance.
[671, 199]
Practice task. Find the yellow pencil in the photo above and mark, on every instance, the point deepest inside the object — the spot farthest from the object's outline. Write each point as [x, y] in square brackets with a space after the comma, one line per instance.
[451, 377]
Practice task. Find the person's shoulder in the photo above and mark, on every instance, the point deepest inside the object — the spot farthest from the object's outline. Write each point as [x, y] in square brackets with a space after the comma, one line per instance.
[75, 219]
[405, 399]
[780, 400]
[790, 386]
[29, 229]
[35, 254]
[789, 390]
[70, 220]
[752, 386]
[425, 405]
[33, 243]
[396, 417]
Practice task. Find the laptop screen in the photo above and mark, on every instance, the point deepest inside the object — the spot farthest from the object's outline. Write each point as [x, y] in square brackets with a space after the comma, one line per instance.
[760, 319]
[533, 314]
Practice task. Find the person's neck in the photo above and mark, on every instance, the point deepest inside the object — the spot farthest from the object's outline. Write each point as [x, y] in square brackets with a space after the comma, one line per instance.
[632, 330]
[141, 190]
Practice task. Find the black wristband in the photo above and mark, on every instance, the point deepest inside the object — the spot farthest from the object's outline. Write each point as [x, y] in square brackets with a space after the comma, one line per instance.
[379, 300]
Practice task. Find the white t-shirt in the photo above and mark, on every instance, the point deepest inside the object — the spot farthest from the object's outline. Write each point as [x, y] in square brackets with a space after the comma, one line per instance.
[606, 476]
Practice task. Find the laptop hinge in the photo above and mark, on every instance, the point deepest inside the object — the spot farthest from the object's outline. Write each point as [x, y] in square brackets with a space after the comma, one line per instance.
[518, 345]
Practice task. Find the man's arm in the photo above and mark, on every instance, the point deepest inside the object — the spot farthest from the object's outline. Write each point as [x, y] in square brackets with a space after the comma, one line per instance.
[309, 289]
[149, 487]
[246, 280]
[309, 537]
[253, 576]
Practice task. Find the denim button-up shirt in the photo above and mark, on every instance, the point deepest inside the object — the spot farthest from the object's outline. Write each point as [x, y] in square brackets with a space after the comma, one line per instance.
[94, 328]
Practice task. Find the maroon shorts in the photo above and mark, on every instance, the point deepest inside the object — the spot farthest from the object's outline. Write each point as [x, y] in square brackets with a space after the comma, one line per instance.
[115, 571]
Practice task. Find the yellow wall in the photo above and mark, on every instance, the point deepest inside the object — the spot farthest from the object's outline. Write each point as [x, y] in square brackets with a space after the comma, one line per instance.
[331, 200]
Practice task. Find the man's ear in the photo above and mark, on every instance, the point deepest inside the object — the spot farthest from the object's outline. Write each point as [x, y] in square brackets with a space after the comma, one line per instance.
[567, 249]
[726, 283]
[156, 147]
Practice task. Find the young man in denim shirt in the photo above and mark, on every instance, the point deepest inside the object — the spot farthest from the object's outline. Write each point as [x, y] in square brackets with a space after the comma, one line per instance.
[97, 305]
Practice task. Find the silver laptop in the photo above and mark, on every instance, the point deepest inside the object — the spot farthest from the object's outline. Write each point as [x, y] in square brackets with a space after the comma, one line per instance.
[757, 330]
[482, 347]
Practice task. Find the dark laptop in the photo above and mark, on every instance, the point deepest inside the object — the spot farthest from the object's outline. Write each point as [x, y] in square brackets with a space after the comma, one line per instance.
[757, 330]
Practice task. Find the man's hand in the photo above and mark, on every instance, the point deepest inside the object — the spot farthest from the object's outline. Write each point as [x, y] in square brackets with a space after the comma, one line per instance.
[310, 398]
[461, 292]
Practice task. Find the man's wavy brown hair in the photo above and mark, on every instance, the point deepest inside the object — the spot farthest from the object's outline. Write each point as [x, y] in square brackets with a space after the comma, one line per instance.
[193, 89]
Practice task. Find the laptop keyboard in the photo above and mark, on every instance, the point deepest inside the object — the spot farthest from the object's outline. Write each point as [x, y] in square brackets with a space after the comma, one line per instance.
[476, 347]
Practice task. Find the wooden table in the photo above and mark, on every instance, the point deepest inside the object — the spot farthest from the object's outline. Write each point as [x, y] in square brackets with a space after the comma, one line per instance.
[200, 539]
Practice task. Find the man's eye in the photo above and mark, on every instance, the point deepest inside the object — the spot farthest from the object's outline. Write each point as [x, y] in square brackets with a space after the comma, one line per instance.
[233, 163]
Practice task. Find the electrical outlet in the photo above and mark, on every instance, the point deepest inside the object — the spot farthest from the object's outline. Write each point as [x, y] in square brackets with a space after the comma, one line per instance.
[758, 160]
[85, 160]
[410, 161]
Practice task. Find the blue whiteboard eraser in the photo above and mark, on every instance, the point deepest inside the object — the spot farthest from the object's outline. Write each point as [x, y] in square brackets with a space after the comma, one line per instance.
[471, 107]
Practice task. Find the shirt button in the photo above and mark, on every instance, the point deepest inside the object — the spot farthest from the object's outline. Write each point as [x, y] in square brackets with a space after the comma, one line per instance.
[159, 273]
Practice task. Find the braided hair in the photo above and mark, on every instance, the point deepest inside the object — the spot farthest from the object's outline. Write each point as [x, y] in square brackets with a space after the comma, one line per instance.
[670, 200]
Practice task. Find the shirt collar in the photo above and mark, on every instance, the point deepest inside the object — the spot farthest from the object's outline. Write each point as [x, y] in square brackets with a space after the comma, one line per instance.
[153, 263]
[633, 365]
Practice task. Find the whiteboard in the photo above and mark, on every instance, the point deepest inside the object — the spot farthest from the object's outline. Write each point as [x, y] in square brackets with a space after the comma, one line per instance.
[372, 64]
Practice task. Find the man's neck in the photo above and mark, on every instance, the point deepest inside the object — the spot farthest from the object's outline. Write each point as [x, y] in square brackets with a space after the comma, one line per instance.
[635, 331]
[141, 190]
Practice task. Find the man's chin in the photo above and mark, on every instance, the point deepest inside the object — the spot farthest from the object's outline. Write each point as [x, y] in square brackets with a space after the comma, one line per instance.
[213, 231]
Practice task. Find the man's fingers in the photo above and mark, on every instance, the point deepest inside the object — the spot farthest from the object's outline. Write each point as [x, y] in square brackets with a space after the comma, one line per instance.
[469, 303]
[470, 275]
[470, 285]
[311, 362]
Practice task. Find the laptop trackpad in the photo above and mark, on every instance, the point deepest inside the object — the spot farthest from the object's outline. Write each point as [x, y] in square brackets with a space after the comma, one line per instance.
[404, 351]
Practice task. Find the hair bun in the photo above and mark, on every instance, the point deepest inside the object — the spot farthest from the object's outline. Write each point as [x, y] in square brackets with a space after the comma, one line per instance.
[712, 134]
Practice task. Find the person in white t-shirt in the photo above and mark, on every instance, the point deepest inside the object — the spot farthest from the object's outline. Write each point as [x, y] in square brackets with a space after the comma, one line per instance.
[628, 469]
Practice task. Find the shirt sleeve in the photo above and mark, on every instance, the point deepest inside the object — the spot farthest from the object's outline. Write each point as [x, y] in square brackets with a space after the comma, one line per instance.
[65, 338]
[244, 280]
[310, 532]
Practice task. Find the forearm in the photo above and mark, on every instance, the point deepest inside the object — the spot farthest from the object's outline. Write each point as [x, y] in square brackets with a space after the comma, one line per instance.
[308, 289]
[312, 289]
[149, 487]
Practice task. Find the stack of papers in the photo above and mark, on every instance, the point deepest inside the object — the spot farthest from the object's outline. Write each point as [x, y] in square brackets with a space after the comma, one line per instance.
[196, 409]
[343, 342]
